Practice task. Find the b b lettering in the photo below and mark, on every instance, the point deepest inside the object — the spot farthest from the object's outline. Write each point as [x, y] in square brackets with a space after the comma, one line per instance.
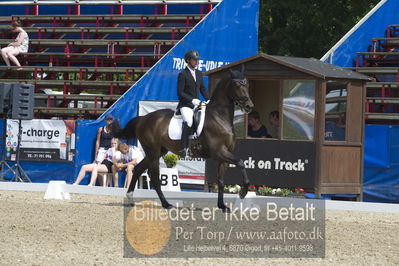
[174, 180]
[164, 180]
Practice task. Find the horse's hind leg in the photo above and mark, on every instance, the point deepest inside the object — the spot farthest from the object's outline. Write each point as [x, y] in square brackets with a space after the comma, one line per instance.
[221, 171]
[137, 172]
[228, 157]
[154, 173]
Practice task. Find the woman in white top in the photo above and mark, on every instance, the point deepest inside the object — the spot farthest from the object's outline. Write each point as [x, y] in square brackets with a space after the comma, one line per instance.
[103, 165]
[21, 45]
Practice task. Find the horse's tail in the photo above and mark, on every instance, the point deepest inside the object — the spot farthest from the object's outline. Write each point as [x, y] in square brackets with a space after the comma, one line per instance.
[125, 133]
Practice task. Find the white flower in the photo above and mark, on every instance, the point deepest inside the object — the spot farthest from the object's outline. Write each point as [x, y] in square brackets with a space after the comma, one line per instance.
[234, 189]
[278, 190]
[273, 191]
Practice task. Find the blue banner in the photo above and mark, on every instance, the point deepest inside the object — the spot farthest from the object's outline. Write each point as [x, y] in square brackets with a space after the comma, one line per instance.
[374, 26]
[381, 164]
[228, 33]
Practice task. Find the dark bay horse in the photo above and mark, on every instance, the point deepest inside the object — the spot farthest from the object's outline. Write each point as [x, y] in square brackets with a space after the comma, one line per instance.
[217, 139]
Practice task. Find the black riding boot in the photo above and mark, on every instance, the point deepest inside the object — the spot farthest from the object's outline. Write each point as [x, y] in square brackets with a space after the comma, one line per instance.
[185, 140]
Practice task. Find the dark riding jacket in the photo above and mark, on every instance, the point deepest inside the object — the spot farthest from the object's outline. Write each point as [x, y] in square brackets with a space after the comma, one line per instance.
[188, 89]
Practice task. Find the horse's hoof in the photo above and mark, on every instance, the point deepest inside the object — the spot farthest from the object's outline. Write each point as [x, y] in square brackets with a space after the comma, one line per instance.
[243, 192]
[130, 204]
[167, 206]
[129, 195]
[225, 209]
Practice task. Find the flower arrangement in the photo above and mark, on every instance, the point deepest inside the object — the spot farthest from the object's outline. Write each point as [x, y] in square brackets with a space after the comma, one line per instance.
[284, 192]
[299, 191]
[170, 160]
[263, 190]
[232, 189]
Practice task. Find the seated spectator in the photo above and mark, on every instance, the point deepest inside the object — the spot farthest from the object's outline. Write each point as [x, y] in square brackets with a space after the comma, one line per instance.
[102, 165]
[255, 127]
[274, 119]
[20, 46]
[130, 157]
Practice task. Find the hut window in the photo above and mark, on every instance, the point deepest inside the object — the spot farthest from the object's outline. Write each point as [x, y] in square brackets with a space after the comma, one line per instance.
[336, 98]
[298, 109]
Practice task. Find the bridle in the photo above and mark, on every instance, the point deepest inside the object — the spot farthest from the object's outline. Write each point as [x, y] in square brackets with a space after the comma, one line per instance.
[240, 100]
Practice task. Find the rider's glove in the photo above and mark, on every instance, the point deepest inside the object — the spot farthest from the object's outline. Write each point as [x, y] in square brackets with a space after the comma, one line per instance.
[196, 102]
[207, 101]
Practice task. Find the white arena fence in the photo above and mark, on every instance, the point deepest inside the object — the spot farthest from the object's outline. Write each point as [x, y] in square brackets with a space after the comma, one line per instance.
[183, 195]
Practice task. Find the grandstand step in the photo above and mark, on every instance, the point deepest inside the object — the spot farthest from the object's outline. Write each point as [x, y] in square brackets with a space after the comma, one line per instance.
[91, 59]
[187, 20]
[113, 30]
[375, 70]
[69, 111]
[387, 39]
[92, 54]
[388, 100]
[378, 53]
[371, 85]
[382, 116]
[121, 70]
[107, 2]
[74, 83]
[76, 97]
[92, 43]
[385, 44]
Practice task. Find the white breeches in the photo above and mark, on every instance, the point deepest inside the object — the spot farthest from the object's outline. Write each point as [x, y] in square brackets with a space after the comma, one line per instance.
[187, 114]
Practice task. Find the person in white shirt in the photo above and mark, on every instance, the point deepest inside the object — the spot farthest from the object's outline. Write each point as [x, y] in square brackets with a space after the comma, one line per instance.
[102, 165]
[130, 156]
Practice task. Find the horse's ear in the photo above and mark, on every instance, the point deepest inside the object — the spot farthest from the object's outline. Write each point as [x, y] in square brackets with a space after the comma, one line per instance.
[231, 72]
[242, 69]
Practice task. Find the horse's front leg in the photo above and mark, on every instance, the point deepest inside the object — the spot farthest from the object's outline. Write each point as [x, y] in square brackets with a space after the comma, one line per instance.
[228, 157]
[154, 173]
[221, 171]
[244, 188]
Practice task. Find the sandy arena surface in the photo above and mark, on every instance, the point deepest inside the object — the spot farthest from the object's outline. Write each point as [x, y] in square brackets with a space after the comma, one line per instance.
[89, 230]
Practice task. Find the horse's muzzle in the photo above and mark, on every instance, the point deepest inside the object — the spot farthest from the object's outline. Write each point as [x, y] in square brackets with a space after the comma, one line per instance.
[248, 108]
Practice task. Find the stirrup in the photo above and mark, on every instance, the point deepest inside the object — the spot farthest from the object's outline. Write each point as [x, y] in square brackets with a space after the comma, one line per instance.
[185, 153]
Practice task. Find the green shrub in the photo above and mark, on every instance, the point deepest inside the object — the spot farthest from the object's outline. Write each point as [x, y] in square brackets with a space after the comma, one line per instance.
[170, 160]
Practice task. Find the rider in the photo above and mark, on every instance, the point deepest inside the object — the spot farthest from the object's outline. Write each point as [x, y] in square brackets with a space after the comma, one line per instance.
[189, 83]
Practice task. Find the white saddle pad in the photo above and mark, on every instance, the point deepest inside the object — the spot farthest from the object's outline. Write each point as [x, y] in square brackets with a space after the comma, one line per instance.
[175, 125]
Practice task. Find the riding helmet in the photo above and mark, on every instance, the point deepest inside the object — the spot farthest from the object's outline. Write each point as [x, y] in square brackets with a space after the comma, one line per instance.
[192, 54]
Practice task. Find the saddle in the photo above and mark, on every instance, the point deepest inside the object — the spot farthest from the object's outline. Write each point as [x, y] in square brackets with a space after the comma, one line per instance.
[175, 125]
[196, 118]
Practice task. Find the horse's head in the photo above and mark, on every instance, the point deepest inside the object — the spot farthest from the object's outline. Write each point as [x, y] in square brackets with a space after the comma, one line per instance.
[240, 87]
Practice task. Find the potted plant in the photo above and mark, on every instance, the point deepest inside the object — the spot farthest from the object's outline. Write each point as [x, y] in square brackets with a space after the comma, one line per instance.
[170, 176]
[170, 160]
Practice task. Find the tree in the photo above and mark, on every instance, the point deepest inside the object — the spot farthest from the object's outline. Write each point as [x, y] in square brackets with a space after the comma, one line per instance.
[307, 28]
